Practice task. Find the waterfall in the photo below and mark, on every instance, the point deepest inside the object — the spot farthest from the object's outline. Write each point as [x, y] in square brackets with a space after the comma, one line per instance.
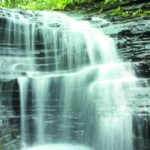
[74, 88]
[23, 85]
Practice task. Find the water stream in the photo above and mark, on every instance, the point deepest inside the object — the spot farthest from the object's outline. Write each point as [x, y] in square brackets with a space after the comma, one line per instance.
[74, 88]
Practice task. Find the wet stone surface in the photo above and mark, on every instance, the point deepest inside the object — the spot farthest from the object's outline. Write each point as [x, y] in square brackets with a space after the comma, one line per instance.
[132, 37]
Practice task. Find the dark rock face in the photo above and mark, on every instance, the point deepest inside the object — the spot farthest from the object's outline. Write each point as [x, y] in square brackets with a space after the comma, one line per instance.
[9, 119]
[132, 37]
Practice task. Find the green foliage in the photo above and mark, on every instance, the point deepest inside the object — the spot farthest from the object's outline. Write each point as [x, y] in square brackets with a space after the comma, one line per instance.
[39, 4]
[119, 12]
[72, 4]
[112, 1]
[47, 4]
[126, 13]
[141, 13]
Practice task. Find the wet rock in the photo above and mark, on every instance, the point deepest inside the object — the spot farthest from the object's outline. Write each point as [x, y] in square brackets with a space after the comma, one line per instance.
[142, 69]
[125, 33]
[132, 37]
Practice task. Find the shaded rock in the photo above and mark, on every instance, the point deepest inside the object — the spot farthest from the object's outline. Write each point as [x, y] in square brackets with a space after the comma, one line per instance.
[125, 33]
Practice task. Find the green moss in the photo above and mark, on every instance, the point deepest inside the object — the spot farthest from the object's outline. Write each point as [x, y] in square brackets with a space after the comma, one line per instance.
[130, 13]
[141, 13]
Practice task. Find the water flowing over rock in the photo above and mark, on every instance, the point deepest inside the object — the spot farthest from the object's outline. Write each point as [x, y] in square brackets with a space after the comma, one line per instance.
[65, 82]
[132, 39]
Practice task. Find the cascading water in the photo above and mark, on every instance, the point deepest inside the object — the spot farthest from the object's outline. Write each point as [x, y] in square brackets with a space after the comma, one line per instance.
[74, 88]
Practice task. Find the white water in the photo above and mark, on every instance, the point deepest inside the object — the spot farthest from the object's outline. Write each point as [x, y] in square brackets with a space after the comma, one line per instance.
[23, 84]
[60, 146]
[78, 100]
